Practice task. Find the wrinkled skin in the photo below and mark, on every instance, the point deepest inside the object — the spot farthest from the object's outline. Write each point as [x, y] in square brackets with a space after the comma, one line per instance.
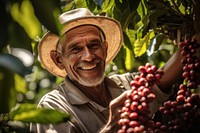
[82, 53]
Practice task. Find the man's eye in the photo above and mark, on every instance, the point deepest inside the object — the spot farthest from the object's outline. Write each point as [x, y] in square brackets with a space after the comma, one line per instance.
[76, 49]
[94, 46]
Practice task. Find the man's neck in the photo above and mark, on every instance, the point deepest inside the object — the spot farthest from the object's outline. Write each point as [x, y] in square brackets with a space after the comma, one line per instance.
[99, 94]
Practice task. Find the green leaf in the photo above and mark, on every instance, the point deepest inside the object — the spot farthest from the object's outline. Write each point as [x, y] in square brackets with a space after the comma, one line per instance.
[156, 41]
[13, 64]
[90, 4]
[129, 60]
[141, 45]
[21, 108]
[123, 16]
[107, 4]
[182, 9]
[20, 84]
[141, 9]
[80, 3]
[23, 13]
[47, 11]
[31, 114]
[144, 28]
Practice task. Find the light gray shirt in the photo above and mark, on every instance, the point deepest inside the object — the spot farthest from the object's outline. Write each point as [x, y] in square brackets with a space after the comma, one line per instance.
[87, 115]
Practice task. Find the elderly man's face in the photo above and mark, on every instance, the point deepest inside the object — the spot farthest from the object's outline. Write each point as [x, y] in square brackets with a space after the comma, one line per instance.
[84, 54]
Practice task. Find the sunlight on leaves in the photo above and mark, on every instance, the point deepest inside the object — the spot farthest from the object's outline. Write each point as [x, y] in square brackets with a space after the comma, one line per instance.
[129, 59]
[107, 4]
[24, 15]
[20, 84]
[80, 3]
[30, 113]
[142, 10]
[141, 45]
[182, 9]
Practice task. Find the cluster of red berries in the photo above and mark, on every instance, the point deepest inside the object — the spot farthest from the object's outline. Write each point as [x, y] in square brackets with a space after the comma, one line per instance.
[134, 116]
[181, 114]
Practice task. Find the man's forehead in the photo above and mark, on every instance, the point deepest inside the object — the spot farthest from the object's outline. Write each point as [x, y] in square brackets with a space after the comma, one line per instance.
[79, 31]
[83, 30]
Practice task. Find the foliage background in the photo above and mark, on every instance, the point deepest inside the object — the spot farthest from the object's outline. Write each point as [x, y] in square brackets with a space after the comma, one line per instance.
[151, 28]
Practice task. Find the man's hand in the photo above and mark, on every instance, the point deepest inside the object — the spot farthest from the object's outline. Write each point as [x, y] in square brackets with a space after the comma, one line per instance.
[114, 107]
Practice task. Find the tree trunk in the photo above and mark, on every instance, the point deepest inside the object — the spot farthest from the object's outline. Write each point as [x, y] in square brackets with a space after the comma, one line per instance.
[196, 16]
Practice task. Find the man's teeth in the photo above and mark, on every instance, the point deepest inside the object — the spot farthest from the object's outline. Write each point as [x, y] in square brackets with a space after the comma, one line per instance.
[88, 67]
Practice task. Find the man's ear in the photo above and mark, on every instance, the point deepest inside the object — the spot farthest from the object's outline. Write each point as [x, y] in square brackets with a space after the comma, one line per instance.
[106, 47]
[55, 56]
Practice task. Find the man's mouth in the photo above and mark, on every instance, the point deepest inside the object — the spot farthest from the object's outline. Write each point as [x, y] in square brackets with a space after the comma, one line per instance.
[88, 67]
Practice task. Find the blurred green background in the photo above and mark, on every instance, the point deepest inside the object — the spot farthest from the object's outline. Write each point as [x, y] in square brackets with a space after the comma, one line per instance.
[151, 28]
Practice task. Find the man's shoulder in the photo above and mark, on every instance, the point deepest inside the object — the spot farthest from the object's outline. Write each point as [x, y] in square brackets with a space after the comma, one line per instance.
[53, 96]
[52, 93]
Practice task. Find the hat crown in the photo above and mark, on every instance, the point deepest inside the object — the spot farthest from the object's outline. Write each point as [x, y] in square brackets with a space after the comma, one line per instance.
[74, 18]
[74, 14]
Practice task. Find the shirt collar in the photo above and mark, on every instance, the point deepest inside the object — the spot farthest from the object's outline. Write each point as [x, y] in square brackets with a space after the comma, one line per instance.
[76, 97]
[114, 89]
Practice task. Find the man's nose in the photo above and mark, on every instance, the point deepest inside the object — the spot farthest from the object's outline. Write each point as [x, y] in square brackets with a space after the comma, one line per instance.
[87, 55]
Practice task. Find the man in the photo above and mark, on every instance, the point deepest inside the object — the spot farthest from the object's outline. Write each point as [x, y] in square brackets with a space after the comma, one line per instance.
[80, 55]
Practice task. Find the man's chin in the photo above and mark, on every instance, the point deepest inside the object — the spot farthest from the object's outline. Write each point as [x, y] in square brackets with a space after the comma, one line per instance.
[91, 82]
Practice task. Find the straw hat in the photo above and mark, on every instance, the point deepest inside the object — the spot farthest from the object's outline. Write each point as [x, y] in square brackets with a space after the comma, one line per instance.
[77, 17]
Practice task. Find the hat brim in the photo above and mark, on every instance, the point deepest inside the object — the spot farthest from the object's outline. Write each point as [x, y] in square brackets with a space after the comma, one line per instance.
[110, 27]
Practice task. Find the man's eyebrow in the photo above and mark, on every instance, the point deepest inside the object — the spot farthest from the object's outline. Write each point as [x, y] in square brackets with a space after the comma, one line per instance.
[72, 45]
[95, 40]
[75, 44]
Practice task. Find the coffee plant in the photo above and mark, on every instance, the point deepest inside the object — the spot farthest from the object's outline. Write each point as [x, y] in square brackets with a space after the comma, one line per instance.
[178, 114]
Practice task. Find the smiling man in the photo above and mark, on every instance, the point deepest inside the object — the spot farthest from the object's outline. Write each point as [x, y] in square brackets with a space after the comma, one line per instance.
[82, 53]
[88, 43]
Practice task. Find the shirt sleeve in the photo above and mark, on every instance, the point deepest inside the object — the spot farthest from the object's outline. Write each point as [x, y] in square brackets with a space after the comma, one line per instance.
[50, 101]
[67, 127]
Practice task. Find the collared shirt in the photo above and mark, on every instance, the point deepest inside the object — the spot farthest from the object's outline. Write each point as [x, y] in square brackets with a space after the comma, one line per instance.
[87, 115]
